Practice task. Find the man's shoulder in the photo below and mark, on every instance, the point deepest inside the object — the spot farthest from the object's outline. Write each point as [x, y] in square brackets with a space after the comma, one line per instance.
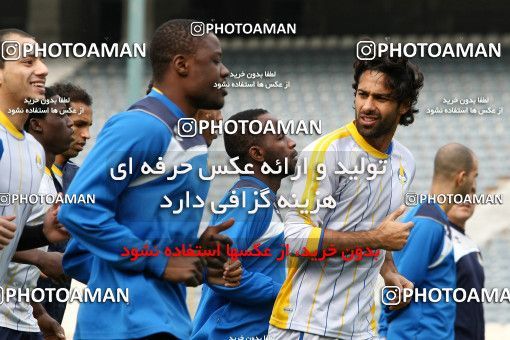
[136, 125]
[70, 169]
[133, 118]
[463, 245]
[32, 141]
[401, 151]
[36, 148]
[430, 212]
[249, 195]
[337, 140]
[72, 165]
[427, 217]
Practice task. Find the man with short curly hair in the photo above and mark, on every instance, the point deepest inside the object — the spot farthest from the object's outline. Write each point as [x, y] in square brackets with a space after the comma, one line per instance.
[333, 298]
[128, 212]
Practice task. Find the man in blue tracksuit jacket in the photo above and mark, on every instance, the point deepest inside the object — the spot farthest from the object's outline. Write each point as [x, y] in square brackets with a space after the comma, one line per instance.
[244, 311]
[469, 321]
[427, 259]
[127, 210]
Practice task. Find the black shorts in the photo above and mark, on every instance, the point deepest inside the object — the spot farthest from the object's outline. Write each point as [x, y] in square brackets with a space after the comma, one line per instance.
[11, 334]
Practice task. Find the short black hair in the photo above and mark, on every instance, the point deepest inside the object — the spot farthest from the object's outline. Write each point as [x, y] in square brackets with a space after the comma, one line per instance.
[149, 86]
[238, 144]
[404, 79]
[44, 108]
[5, 32]
[171, 38]
[73, 92]
[453, 158]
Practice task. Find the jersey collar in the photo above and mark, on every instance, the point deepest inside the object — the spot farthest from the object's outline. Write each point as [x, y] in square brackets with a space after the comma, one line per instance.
[155, 92]
[358, 138]
[259, 182]
[5, 122]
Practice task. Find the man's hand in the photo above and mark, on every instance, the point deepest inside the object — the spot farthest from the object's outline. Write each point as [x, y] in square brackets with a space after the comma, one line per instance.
[392, 235]
[210, 239]
[52, 228]
[211, 236]
[50, 328]
[190, 269]
[7, 230]
[395, 279]
[233, 273]
[186, 270]
[50, 264]
[230, 276]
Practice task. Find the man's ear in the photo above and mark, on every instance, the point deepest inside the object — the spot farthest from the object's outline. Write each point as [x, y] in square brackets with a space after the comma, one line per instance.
[35, 125]
[256, 153]
[181, 65]
[460, 178]
[403, 108]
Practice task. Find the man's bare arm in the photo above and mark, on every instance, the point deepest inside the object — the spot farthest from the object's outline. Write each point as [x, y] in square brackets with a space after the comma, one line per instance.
[7, 230]
[388, 266]
[390, 235]
[49, 263]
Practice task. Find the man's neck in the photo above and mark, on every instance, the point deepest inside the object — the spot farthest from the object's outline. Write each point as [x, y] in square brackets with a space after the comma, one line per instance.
[61, 160]
[50, 159]
[17, 119]
[441, 187]
[272, 181]
[460, 224]
[381, 143]
[178, 98]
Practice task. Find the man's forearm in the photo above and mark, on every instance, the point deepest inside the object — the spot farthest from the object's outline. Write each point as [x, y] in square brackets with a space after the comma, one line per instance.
[388, 265]
[343, 240]
[31, 256]
[389, 235]
[38, 309]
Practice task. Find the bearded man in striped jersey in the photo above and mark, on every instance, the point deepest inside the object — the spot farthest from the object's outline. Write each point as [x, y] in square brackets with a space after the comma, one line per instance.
[333, 298]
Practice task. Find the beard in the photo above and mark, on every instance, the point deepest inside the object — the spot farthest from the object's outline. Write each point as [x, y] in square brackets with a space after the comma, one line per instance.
[70, 153]
[466, 189]
[382, 126]
[209, 101]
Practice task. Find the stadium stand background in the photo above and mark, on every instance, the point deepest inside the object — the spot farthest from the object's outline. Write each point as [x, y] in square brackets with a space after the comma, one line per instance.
[320, 89]
[318, 65]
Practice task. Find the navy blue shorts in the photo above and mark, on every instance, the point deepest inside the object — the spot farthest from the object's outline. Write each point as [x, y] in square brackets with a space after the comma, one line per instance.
[11, 334]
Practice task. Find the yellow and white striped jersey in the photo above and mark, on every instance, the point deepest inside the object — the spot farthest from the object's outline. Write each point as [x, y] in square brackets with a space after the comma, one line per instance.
[21, 168]
[334, 298]
[16, 314]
